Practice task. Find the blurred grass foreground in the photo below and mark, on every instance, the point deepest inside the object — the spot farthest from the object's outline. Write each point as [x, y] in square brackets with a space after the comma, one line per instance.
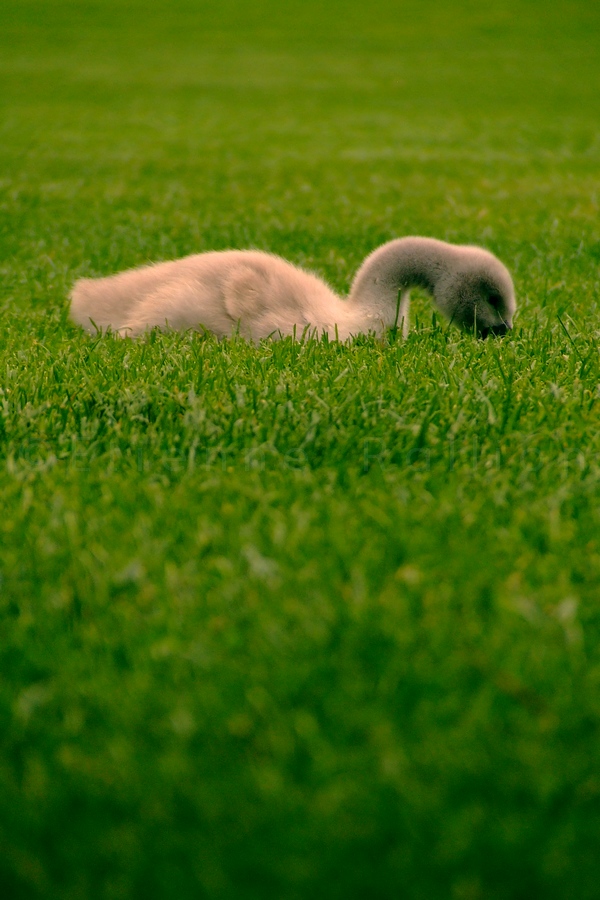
[299, 620]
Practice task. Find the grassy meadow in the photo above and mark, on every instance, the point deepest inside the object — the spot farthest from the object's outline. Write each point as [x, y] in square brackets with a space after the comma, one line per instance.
[299, 620]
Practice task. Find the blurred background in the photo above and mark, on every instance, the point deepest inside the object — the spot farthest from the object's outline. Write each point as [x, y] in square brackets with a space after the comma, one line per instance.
[140, 131]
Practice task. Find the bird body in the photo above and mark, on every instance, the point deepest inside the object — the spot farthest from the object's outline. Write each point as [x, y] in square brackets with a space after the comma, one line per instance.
[260, 295]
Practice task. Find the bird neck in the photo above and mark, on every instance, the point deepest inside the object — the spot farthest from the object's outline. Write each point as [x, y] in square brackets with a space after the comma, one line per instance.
[398, 265]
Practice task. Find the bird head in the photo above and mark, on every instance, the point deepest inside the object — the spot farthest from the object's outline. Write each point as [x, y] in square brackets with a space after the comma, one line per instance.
[477, 293]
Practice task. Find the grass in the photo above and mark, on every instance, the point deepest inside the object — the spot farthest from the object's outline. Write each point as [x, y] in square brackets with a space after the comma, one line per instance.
[302, 619]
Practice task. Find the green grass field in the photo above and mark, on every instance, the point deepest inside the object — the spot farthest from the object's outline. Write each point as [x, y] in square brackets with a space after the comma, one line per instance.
[299, 620]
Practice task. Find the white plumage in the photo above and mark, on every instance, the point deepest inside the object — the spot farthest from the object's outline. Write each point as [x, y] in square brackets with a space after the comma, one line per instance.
[260, 295]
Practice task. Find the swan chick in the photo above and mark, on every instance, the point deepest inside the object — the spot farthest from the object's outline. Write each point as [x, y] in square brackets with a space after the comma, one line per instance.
[259, 295]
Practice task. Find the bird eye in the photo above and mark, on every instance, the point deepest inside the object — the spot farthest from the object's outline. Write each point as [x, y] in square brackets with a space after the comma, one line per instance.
[495, 300]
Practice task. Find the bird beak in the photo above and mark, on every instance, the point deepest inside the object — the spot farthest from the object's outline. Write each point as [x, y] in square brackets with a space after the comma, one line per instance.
[495, 330]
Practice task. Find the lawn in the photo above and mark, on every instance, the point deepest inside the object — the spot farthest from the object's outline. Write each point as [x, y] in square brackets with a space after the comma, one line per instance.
[303, 619]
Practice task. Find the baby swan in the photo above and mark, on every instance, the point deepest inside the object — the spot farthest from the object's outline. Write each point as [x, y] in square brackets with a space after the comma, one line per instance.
[260, 295]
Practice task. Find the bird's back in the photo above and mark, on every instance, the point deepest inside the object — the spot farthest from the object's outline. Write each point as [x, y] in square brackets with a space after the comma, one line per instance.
[221, 291]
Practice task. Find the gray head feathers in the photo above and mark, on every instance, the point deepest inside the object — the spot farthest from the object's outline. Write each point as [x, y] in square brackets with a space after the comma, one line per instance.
[477, 294]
